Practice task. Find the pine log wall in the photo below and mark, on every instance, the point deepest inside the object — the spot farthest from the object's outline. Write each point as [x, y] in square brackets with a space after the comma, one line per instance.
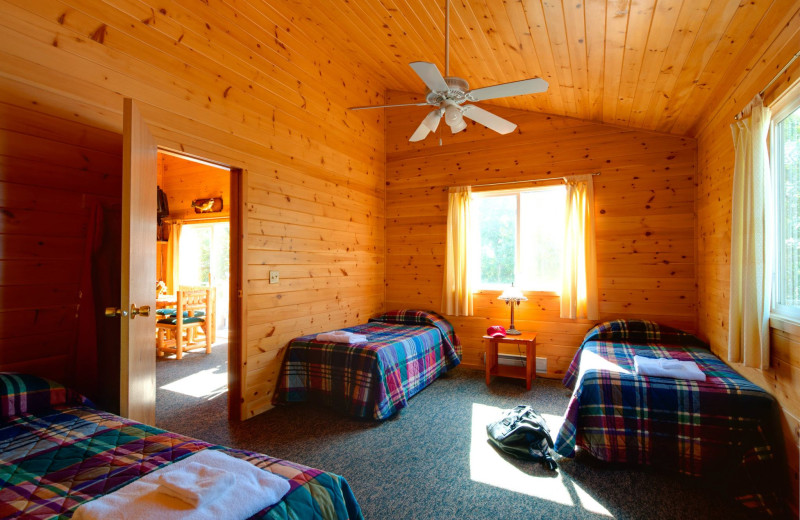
[51, 172]
[715, 180]
[644, 210]
[250, 86]
[184, 181]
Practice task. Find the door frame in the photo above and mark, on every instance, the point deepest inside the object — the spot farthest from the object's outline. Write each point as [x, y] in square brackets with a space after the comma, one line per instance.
[236, 279]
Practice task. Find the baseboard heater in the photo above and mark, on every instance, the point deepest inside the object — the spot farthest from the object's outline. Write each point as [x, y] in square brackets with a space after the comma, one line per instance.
[519, 361]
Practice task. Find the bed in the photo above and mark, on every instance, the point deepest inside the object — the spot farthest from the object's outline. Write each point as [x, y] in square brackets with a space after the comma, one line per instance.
[58, 452]
[406, 351]
[723, 427]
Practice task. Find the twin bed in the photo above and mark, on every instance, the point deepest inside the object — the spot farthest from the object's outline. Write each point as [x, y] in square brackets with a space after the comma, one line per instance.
[723, 426]
[406, 351]
[58, 452]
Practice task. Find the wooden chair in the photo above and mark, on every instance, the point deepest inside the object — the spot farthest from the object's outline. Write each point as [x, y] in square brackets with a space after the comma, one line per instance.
[179, 332]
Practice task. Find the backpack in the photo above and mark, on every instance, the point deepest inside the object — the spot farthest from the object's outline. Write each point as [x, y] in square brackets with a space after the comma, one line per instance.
[523, 433]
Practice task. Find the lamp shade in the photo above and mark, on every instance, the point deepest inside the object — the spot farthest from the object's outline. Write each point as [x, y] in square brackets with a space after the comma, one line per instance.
[512, 294]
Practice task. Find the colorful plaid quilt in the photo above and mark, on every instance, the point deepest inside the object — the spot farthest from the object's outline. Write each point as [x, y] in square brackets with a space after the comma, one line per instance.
[723, 426]
[54, 461]
[406, 351]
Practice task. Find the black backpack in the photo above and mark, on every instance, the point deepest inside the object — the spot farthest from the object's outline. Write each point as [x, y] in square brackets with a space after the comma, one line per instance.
[523, 433]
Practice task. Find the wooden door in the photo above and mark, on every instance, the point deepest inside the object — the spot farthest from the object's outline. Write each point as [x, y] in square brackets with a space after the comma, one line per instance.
[138, 356]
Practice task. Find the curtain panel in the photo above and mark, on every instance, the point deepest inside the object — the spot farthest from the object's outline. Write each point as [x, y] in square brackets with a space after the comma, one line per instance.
[173, 257]
[751, 240]
[457, 290]
[579, 278]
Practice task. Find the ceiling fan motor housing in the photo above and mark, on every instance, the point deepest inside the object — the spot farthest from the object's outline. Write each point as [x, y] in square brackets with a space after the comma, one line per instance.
[456, 92]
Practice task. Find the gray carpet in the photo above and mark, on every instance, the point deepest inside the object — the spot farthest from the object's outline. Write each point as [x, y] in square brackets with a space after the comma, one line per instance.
[432, 460]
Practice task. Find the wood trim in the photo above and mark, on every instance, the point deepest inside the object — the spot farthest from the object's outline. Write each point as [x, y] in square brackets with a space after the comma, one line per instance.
[236, 330]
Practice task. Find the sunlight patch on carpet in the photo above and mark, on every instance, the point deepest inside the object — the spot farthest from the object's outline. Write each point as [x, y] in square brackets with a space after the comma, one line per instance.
[206, 384]
[487, 466]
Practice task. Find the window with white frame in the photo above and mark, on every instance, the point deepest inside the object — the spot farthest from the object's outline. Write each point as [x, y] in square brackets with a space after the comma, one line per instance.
[785, 158]
[518, 238]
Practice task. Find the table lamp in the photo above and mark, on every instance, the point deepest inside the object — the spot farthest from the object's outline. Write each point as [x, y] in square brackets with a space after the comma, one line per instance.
[512, 296]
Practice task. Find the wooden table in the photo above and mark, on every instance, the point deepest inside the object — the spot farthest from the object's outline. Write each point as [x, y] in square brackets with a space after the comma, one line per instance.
[528, 372]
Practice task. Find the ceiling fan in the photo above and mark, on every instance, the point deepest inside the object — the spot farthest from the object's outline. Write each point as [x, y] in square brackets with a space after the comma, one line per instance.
[449, 93]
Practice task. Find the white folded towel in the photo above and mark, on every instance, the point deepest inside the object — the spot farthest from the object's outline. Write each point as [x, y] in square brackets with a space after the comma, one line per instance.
[195, 483]
[666, 367]
[253, 490]
[341, 336]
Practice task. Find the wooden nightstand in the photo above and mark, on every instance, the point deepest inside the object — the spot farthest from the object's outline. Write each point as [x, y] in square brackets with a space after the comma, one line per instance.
[528, 372]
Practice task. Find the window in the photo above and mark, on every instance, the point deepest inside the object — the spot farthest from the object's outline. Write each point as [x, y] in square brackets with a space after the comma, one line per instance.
[519, 239]
[785, 155]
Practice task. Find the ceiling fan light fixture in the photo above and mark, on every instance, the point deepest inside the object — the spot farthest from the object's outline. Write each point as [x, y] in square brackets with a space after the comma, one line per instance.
[452, 114]
[458, 126]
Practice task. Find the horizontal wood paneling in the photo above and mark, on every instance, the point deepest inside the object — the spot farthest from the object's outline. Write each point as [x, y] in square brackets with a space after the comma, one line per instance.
[43, 233]
[184, 181]
[644, 220]
[715, 177]
[250, 85]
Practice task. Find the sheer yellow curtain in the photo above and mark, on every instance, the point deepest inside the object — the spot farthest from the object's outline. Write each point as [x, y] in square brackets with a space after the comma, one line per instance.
[457, 290]
[173, 249]
[751, 240]
[579, 282]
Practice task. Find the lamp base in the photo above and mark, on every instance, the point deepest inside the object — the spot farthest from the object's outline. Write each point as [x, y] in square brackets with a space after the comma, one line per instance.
[513, 332]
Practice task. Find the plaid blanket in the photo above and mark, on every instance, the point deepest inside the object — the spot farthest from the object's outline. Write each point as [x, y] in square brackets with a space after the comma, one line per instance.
[373, 379]
[53, 462]
[722, 426]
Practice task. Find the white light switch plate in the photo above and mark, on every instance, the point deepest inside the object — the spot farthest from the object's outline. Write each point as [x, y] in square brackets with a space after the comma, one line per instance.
[274, 277]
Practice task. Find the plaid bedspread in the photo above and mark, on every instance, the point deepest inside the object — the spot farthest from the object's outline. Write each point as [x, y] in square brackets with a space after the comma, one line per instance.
[373, 379]
[52, 463]
[722, 426]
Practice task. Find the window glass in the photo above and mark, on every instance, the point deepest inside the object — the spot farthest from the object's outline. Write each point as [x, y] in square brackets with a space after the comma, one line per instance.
[542, 238]
[786, 170]
[519, 239]
[497, 218]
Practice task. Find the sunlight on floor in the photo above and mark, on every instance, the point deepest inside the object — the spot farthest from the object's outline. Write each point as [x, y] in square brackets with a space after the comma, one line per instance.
[489, 467]
[206, 384]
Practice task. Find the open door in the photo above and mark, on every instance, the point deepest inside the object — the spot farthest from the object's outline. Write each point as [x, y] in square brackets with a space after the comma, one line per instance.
[138, 294]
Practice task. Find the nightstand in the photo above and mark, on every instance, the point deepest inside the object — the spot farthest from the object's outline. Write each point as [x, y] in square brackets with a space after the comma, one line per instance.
[528, 372]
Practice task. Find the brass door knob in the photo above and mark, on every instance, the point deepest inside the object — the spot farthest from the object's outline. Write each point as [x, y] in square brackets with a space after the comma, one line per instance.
[144, 310]
[115, 312]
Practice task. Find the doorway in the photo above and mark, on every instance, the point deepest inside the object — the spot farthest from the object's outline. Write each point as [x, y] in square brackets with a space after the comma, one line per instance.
[194, 257]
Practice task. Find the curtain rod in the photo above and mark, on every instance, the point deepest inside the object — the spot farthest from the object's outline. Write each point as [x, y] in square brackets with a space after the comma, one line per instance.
[562, 177]
[773, 80]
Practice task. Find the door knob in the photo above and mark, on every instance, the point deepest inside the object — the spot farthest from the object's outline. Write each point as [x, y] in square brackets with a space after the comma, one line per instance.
[115, 312]
[144, 310]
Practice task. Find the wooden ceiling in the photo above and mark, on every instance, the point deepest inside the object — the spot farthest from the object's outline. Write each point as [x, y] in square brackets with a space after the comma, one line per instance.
[653, 64]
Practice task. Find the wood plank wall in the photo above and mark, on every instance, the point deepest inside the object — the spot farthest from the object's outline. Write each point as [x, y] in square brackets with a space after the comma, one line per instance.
[644, 219]
[715, 179]
[248, 85]
[51, 171]
[184, 181]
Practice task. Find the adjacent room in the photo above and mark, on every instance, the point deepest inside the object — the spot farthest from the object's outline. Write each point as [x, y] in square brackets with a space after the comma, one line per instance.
[470, 259]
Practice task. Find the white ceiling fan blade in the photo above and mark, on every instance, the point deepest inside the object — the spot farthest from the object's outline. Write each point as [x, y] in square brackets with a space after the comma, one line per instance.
[432, 119]
[420, 133]
[487, 119]
[515, 88]
[390, 106]
[429, 124]
[430, 75]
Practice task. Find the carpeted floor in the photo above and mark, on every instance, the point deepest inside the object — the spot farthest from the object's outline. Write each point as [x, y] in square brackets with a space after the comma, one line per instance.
[432, 460]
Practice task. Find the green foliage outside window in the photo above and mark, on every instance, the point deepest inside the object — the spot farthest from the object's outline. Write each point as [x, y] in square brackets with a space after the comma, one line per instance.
[789, 226]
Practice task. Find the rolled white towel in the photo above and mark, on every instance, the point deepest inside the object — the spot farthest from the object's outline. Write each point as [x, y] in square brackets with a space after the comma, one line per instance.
[195, 483]
[666, 367]
[341, 336]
